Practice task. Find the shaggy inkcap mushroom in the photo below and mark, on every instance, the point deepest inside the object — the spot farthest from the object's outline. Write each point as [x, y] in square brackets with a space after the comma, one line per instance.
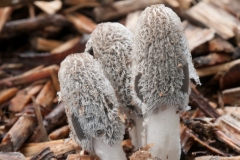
[91, 106]
[162, 68]
[111, 44]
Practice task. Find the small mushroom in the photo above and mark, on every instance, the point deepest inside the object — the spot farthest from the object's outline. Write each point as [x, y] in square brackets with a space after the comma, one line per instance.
[91, 107]
[162, 68]
[111, 44]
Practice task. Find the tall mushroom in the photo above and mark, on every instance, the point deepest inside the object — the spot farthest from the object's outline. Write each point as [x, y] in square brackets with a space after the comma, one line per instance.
[162, 68]
[91, 107]
[111, 44]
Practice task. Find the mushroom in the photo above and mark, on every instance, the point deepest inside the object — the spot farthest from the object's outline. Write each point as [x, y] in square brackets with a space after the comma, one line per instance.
[91, 107]
[162, 68]
[111, 44]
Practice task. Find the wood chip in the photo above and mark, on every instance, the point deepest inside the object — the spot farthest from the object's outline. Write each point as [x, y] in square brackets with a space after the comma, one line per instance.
[221, 21]
[197, 35]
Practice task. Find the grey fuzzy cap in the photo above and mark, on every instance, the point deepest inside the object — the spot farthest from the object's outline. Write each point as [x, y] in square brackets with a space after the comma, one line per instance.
[162, 61]
[111, 44]
[90, 103]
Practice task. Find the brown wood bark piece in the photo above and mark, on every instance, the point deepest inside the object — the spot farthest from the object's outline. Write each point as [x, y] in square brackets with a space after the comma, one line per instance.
[230, 125]
[29, 77]
[200, 102]
[220, 20]
[197, 35]
[49, 7]
[121, 8]
[78, 6]
[34, 59]
[231, 78]
[11, 66]
[185, 4]
[31, 149]
[75, 2]
[23, 97]
[54, 77]
[12, 156]
[4, 15]
[4, 3]
[13, 28]
[55, 118]
[66, 46]
[42, 44]
[19, 132]
[7, 94]
[211, 60]
[231, 96]
[82, 23]
[79, 157]
[186, 140]
[46, 96]
[60, 133]
[207, 71]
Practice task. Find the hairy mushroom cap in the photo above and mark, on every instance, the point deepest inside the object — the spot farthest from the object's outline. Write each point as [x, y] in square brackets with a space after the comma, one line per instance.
[90, 102]
[162, 61]
[111, 44]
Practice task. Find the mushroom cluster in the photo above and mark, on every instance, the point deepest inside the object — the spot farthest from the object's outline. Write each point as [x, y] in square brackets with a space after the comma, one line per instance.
[144, 75]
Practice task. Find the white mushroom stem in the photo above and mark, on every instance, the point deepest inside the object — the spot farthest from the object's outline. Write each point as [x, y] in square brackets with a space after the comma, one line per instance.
[136, 133]
[107, 152]
[163, 131]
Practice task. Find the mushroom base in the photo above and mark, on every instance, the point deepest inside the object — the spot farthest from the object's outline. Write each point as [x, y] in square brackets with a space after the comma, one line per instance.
[163, 131]
[107, 152]
[136, 133]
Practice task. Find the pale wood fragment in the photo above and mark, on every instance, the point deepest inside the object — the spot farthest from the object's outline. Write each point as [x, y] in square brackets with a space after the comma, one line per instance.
[67, 45]
[231, 96]
[220, 20]
[7, 94]
[121, 8]
[42, 44]
[49, 7]
[19, 133]
[231, 6]
[4, 15]
[81, 22]
[132, 19]
[30, 76]
[60, 133]
[197, 35]
[217, 68]
[12, 156]
[75, 2]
